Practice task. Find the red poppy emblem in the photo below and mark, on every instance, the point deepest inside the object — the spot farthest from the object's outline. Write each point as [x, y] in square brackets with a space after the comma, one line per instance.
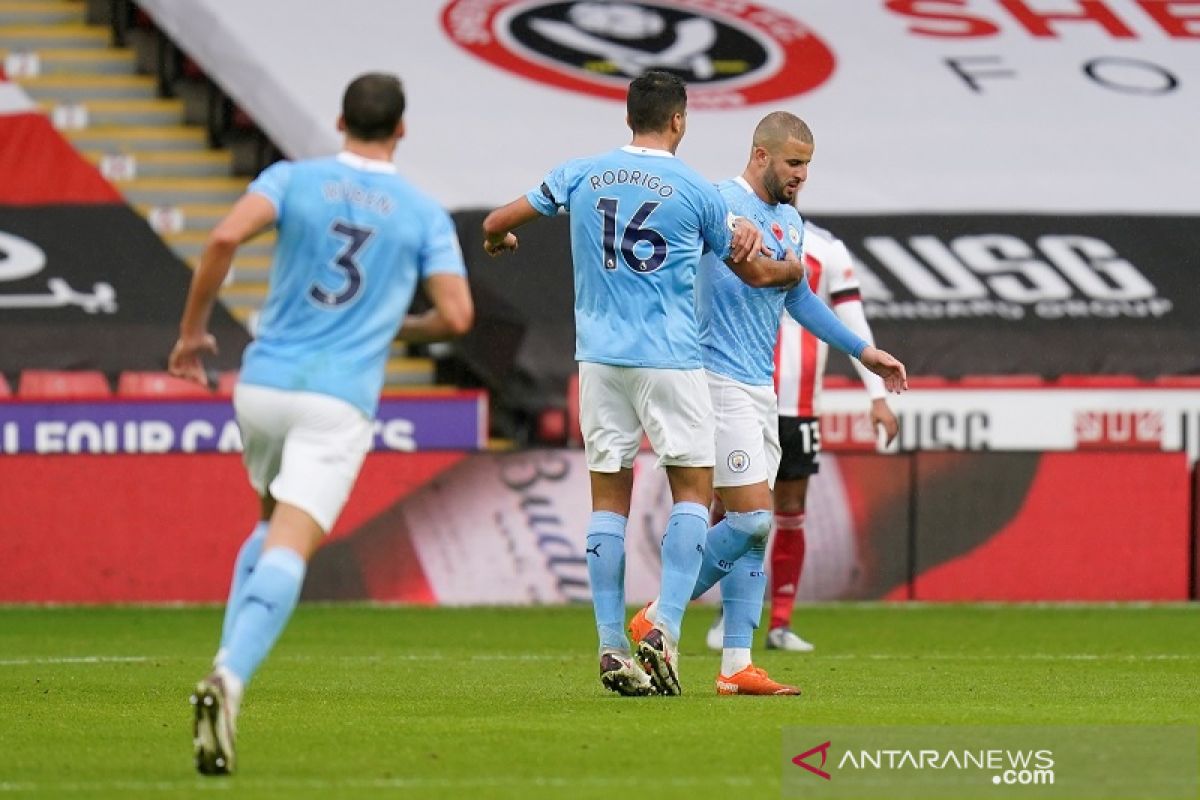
[777, 229]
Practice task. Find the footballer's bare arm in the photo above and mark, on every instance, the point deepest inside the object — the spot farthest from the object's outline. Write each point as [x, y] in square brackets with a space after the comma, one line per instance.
[886, 366]
[249, 215]
[746, 241]
[762, 272]
[498, 226]
[452, 314]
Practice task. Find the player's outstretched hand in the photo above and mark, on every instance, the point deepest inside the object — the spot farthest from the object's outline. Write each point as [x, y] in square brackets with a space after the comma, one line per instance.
[886, 366]
[185, 361]
[882, 417]
[747, 240]
[495, 248]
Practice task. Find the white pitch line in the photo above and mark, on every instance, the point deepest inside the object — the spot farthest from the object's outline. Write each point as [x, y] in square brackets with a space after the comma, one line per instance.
[1133, 657]
[436, 656]
[999, 605]
[424, 656]
[568, 657]
[464, 783]
[24, 662]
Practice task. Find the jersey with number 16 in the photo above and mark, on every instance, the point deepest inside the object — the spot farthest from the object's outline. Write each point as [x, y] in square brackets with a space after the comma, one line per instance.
[640, 220]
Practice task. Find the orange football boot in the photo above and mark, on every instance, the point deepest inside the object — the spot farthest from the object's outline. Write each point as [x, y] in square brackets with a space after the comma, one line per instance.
[640, 625]
[753, 680]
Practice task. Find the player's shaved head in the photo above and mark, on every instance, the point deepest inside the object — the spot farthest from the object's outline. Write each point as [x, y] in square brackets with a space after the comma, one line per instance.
[776, 128]
[372, 106]
[654, 98]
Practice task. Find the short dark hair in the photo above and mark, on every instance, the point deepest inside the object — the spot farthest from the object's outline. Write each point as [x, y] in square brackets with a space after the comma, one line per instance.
[372, 106]
[776, 128]
[654, 97]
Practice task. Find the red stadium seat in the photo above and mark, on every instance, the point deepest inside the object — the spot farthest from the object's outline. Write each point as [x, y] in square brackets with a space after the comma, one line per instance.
[226, 381]
[1178, 381]
[927, 382]
[839, 382]
[574, 435]
[552, 427]
[1019, 381]
[48, 384]
[5, 391]
[1100, 381]
[157, 384]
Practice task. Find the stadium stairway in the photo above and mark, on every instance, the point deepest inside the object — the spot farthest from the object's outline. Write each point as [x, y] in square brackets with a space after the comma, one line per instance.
[141, 142]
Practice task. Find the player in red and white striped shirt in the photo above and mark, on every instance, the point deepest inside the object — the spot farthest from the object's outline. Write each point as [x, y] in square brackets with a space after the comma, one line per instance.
[799, 367]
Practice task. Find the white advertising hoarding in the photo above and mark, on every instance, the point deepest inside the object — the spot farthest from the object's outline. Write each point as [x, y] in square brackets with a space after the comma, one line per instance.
[917, 105]
[1031, 419]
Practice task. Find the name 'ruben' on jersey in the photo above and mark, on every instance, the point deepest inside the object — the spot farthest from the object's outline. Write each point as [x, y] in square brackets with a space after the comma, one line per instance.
[738, 323]
[355, 238]
[640, 219]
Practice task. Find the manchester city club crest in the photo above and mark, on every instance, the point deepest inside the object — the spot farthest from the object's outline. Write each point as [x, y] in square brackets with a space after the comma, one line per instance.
[738, 461]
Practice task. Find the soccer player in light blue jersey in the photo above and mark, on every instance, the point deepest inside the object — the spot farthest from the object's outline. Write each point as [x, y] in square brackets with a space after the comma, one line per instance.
[355, 240]
[738, 326]
[640, 219]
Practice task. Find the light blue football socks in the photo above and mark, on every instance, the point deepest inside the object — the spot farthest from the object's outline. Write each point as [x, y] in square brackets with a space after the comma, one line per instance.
[247, 558]
[727, 541]
[682, 556]
[268, 600]
[742, 593]
[606, 572]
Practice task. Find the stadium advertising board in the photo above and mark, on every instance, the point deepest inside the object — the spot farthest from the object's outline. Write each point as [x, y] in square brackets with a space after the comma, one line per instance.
[1044, 294]
[951, 295]
[511, 529]
[158, 528]
[1021, 419]
[1082, 526]
[1195, 509]
[1076, 106]
[455, 421]
[84, 282]
[456, 528]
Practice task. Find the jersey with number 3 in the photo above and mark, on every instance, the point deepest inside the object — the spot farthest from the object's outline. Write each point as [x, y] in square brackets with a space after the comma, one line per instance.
[640, 220]
[354, 241]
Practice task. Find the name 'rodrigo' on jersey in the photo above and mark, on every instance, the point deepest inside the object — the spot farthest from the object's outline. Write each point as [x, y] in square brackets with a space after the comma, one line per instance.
[640, 219]
[355, 238]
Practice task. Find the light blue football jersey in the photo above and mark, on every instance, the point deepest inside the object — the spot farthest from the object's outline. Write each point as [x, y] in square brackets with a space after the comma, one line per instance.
[640, 220]
[738, 323]
[354, 241]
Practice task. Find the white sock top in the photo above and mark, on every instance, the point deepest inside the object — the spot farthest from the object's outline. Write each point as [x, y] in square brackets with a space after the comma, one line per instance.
[734, 660]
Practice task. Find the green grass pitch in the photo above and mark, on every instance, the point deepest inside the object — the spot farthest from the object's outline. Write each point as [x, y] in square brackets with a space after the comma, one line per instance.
[360, 701]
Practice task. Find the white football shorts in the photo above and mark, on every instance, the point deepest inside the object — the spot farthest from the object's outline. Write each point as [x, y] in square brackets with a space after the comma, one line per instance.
[306, 448]
[747, 438]
[670, 406]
